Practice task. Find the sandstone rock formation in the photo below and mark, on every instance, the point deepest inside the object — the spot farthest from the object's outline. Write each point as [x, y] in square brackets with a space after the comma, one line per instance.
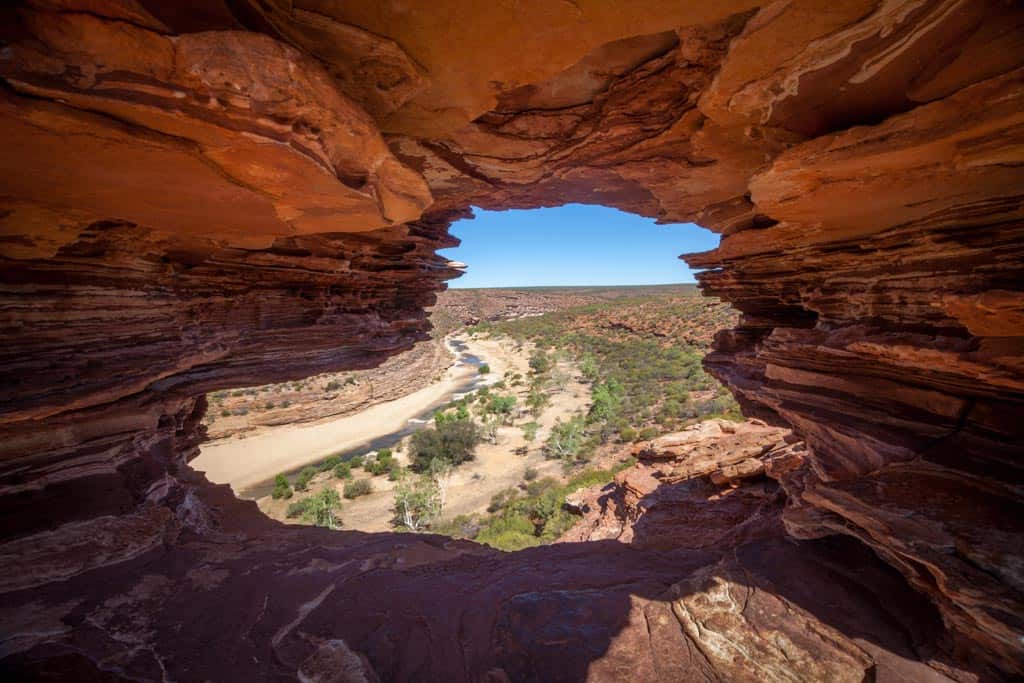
[206, 196]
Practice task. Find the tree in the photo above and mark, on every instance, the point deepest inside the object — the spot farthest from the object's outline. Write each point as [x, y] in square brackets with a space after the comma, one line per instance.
[322, 509]
[417, 502]
[282, 489]
[451, 441]
[605, 402]
[441, 472]
[565, 439]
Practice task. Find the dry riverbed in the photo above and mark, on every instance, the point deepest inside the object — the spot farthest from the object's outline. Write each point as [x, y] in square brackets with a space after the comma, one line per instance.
[497, 466]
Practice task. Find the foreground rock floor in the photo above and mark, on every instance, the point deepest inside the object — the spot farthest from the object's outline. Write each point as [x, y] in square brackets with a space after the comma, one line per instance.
[708, 586]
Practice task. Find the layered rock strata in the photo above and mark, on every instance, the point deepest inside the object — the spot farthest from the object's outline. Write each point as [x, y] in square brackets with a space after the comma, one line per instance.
[196, 199]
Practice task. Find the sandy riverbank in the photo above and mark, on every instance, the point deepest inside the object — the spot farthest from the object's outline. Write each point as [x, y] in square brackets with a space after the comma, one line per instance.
[254, 458]
[496, 466]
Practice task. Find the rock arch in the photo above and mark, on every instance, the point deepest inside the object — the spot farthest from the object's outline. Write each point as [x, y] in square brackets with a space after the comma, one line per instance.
[195, 199]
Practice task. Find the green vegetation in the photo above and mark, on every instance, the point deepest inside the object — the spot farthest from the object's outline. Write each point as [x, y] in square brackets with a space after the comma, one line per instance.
[298, 508]
[357, 487]
[418, 502]
[501, 407]
[329, 463]
[343, 471]
[452, 442]
[522, 519]
[307, 474]
[484, 369]
[322, 509]
[282, 489]
[644, 379]
[380, 464]
[394, 471]
[530, 431]
[566, 439]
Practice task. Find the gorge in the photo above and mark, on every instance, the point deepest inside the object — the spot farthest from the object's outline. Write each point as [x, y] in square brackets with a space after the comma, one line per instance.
[205, 196]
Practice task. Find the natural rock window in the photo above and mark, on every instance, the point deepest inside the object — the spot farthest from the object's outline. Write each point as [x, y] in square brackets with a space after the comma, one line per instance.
[198, 200]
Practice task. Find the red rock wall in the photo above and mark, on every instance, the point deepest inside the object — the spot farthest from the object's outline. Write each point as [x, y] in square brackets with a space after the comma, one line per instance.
[199, 198]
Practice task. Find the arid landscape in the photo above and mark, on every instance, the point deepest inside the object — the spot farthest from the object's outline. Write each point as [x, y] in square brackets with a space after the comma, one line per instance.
[543, 356]
[249, 433]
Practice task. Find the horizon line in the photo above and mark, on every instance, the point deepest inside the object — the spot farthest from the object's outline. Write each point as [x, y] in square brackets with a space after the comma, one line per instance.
[639, 284]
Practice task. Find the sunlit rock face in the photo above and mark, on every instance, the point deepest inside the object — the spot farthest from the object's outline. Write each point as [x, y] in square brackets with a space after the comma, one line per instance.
[202, 197]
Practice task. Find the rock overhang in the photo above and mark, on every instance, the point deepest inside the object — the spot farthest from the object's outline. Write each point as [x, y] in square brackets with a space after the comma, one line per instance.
[255, 192]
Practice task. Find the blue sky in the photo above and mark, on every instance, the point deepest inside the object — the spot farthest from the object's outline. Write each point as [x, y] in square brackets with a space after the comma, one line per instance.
[575, 244]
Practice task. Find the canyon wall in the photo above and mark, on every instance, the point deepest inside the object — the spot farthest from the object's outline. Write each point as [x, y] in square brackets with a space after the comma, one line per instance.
[203, 197]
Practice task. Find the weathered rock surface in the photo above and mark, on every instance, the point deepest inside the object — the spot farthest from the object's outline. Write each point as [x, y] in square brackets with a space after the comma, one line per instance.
[747, 616]
[203, 198]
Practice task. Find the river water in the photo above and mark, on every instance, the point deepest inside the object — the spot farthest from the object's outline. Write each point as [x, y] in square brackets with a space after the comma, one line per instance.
[473, 382]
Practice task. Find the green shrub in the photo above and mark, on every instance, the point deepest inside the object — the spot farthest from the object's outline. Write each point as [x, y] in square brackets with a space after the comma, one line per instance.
[377, 467]
[501, 405]
[627, 434]
[501, 499]
[322, 509]
[298, 508]
[530, 474]
[357, 461]
[461, 412]
[343, 471]
[536, 400]
[484, 369]
[302, 481]
[530, 431]
[509, 532]
[329, 463]
[450, 441]
[394, 471]
[463, 526]
[282, 489]
[539, 362]
[358, 487]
